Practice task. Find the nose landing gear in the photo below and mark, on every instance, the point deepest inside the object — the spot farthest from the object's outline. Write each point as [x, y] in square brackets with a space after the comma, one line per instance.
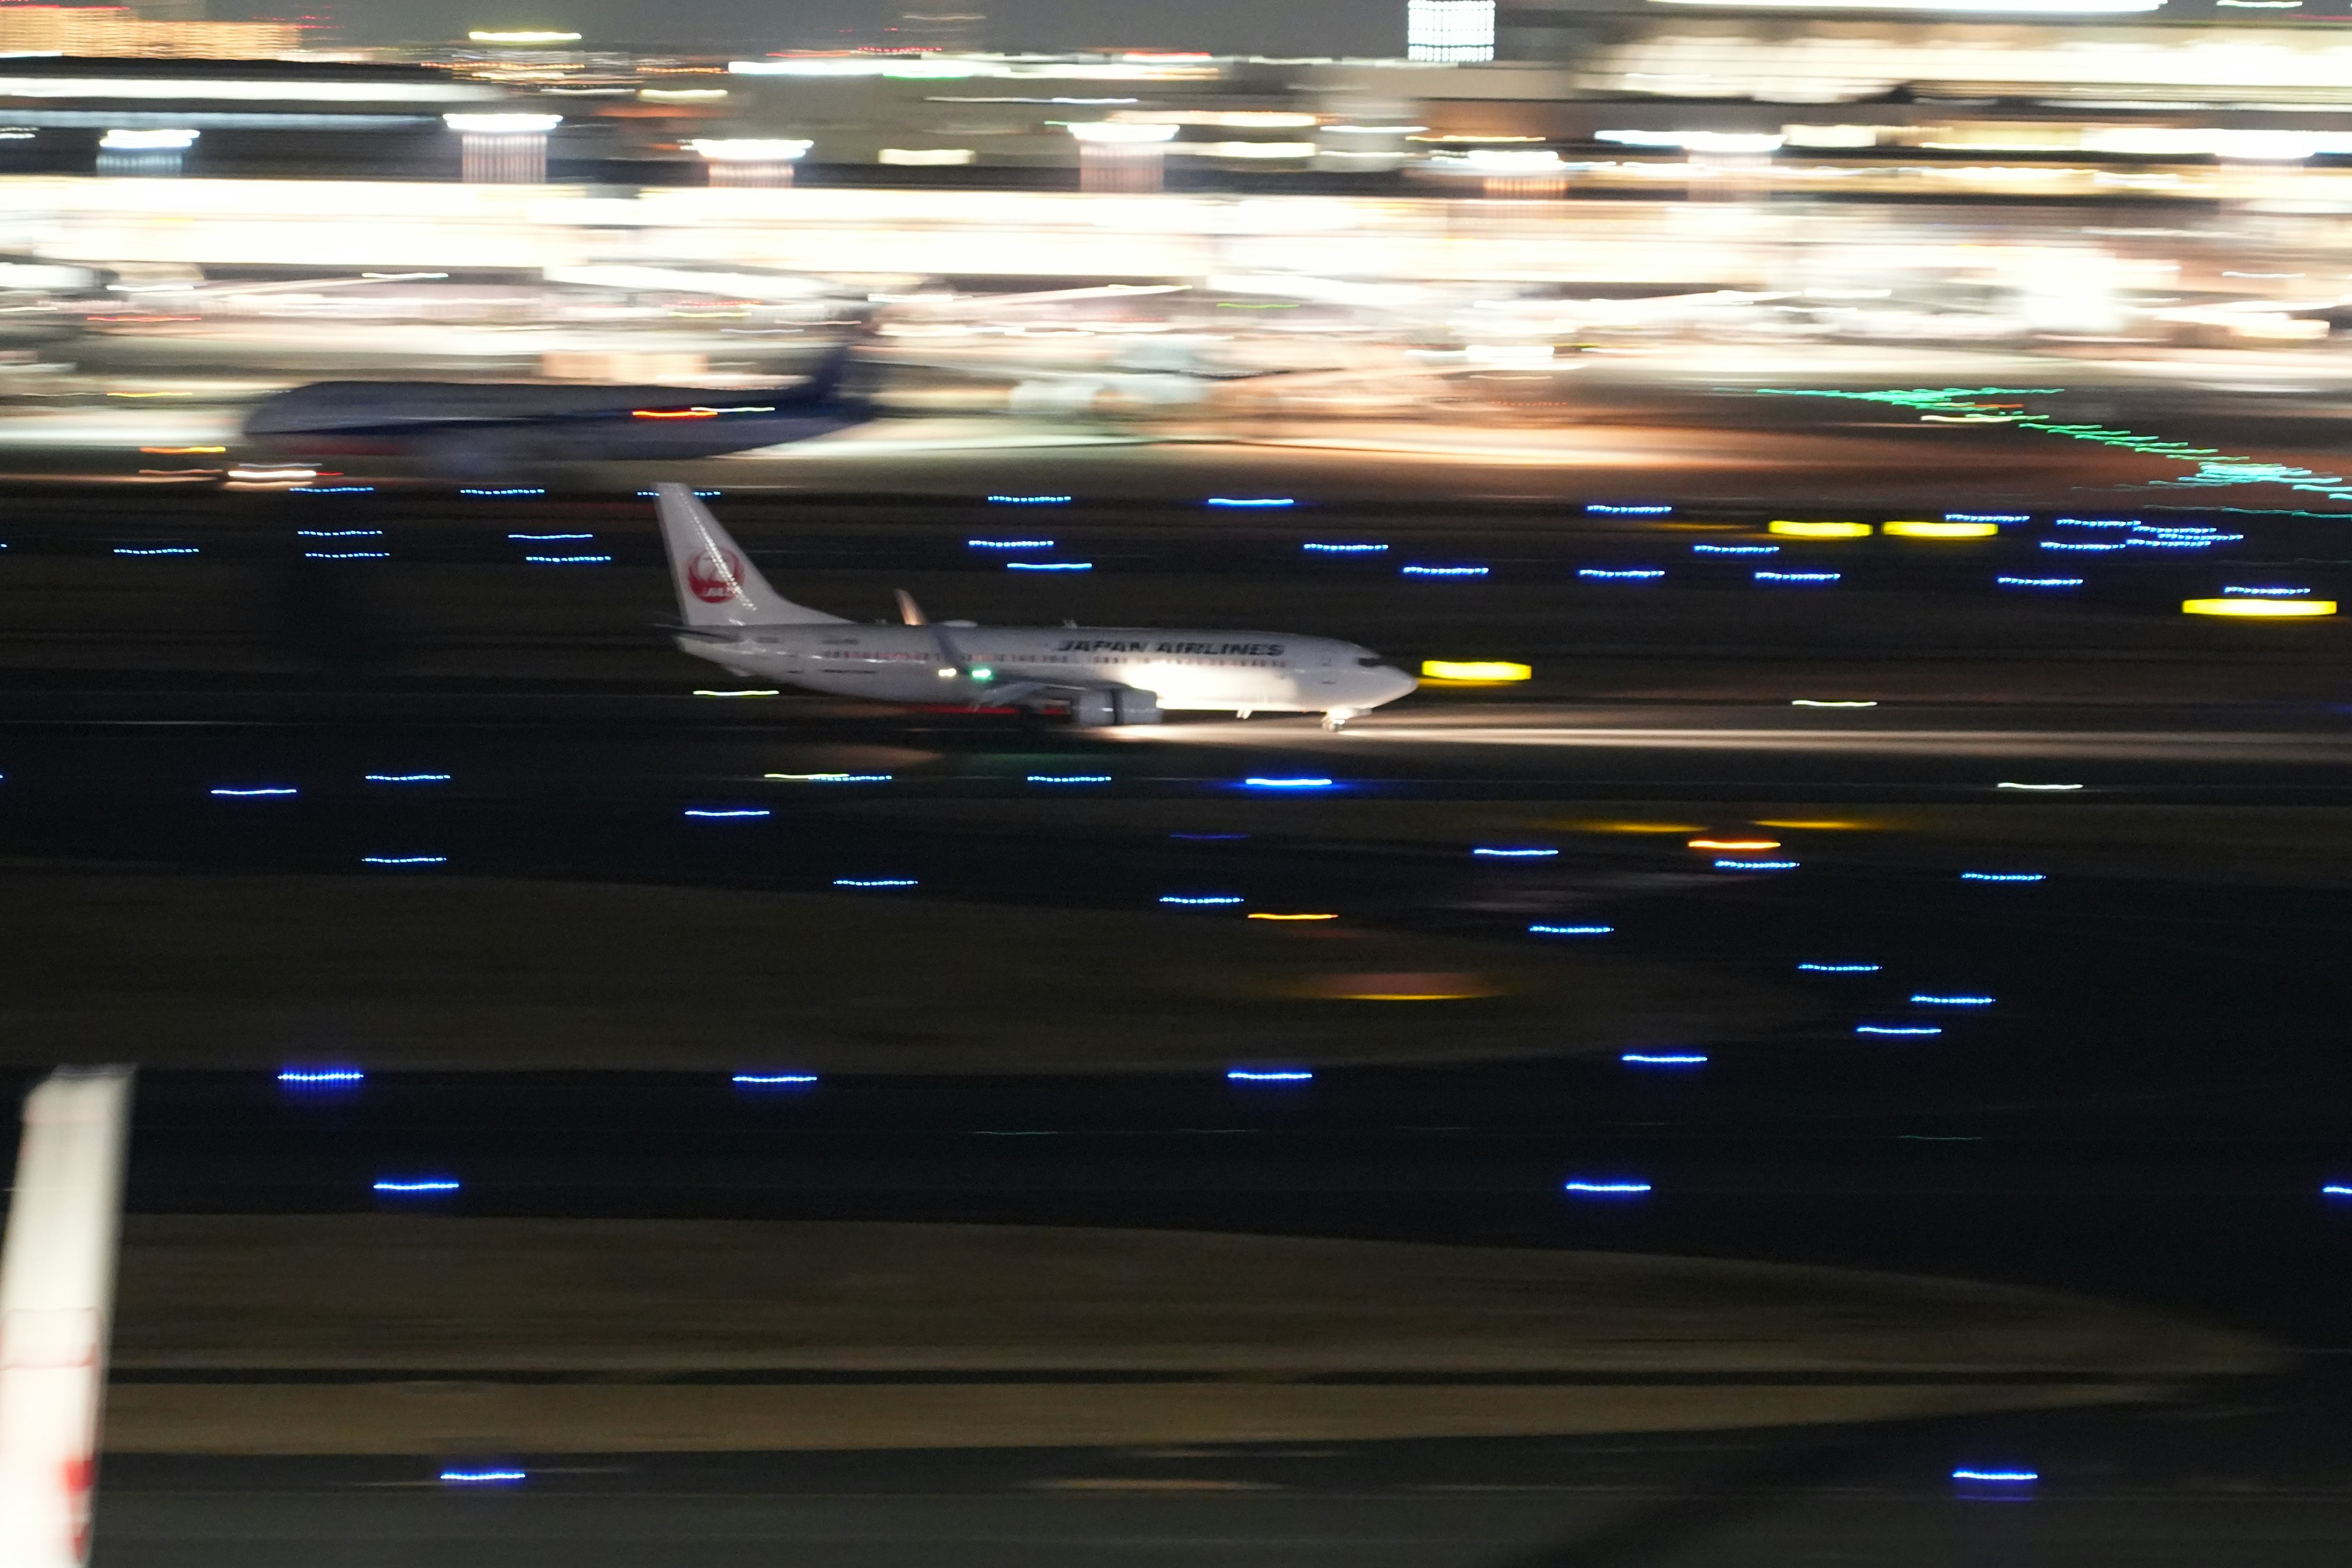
[1334, 718]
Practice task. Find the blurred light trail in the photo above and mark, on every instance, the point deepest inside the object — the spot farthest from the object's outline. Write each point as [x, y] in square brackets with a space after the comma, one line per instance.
[1986, 517]
[1628, 511]
[1799, 530]
[1263, 916]
[1268, 1075]
[1571, 931]
[1049, 566]
[2046, 788]
[407, 778]
[832, 778]
[1829, 702]
[1799, 576]
[2003, 1477]
[404, 859]
[1621, 573]
[547, 538]
[161, 550]
[1735, 549]
[346, 555]
[1345, 549]
[1008, 545]
[1028, 501]
[1841, 968]
[729, 811]
[1733, 844]
[512, 490]
[874, 882]
[481, 1478]
[773, 1079]
[1948, 529]
[1069, 778]
[1517, 853]
[1663, 1059]
[2004, 877]
[1897, 1029]
[743, 692]
[2260, 609]
[1444, 571]
[1255, 781]
[339, 533]
[1756, 865]
[1200, 900]
[2038, 582]
[1606, 1189]
[416, 1184]
[235, 794]
[1927, 999]
[2265, 593]
[1252, 501]
[567, 560]
[324, 1077]
[1496, 671]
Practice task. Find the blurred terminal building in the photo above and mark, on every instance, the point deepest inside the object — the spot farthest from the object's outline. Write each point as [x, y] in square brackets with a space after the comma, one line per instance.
[2194, 100]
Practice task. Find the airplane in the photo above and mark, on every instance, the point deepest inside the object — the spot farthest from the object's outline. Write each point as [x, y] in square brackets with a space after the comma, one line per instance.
[479, 428]
[1099, 674]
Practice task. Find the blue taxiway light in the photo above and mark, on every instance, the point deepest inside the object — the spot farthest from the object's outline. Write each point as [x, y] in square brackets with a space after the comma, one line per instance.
[404, 859]
[567, 560]
[1924, 999]
[1029, 500]
[347, 555]
[2038, 582]
[1663, 1059]
[1621, 574]
[482, 1477]
[1986, 517]
[773, 1079]
[160, 550]
[309, 1076]
[874, 882]
[2335, 1190]
[1345, 549]
[2071, 544]
[419, 1185]
[2004, 877]
[1628, 511]
[1735, 549]
[1443, 570]
[1268, 1075]
[1570, 931]
[1799, 576]
[1606, 1189]
[727, 811]
[1898, 1029]
[339, 533]
[1069, 778]
[1049, 566]
[1841, 968]
[2250, 593]
[650, 495]
[509, 490]
[1257, 782]
[1756, 865]
[408, 778]
[330, 490]
[1998, 1477]
[2094, 522]
[548, 538]
[1517, 853]
[1200, 899]
[1253, 501]
[257, 790]
[1008, 545]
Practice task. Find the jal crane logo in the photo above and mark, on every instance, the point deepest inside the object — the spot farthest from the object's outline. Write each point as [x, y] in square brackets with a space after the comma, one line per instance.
[715, 576]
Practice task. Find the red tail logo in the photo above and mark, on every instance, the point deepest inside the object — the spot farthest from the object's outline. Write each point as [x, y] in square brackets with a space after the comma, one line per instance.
[713, 575]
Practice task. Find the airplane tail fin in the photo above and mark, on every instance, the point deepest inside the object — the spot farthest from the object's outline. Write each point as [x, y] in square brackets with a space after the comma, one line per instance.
[716, 584]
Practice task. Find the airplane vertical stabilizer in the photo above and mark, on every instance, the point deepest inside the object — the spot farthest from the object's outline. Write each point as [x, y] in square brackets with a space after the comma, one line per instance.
[56, 1309]
[716, 584]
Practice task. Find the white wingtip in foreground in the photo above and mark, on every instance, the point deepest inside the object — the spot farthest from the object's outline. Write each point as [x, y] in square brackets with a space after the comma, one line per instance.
[56, 1309]
[1096, 675]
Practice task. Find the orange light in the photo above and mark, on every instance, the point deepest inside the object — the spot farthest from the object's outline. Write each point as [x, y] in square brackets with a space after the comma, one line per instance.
[1734, 844]
[1267, 917]
[673, 414]
[180, 451]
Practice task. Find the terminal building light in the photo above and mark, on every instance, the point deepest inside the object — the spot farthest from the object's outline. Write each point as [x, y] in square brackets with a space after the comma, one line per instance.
[1449, 30]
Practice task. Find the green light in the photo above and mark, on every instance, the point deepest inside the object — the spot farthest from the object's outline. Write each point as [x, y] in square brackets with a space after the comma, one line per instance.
[982, 674]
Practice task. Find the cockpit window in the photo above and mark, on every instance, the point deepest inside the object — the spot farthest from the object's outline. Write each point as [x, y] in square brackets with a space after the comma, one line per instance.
[1370, 661]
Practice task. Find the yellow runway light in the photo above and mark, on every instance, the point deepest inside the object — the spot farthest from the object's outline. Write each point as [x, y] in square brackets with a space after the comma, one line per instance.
[1733, 844]
[1819, 530]
[1943, 530]
[2259, 609]
[1831, 825]
[1482, 672]
[1635, 826]
[1271, 917]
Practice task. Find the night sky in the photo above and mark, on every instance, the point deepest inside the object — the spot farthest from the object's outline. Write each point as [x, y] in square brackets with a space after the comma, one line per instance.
[1254, 27]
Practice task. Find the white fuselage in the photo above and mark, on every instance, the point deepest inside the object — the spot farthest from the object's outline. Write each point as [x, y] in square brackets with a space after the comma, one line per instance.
[1216, 671]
